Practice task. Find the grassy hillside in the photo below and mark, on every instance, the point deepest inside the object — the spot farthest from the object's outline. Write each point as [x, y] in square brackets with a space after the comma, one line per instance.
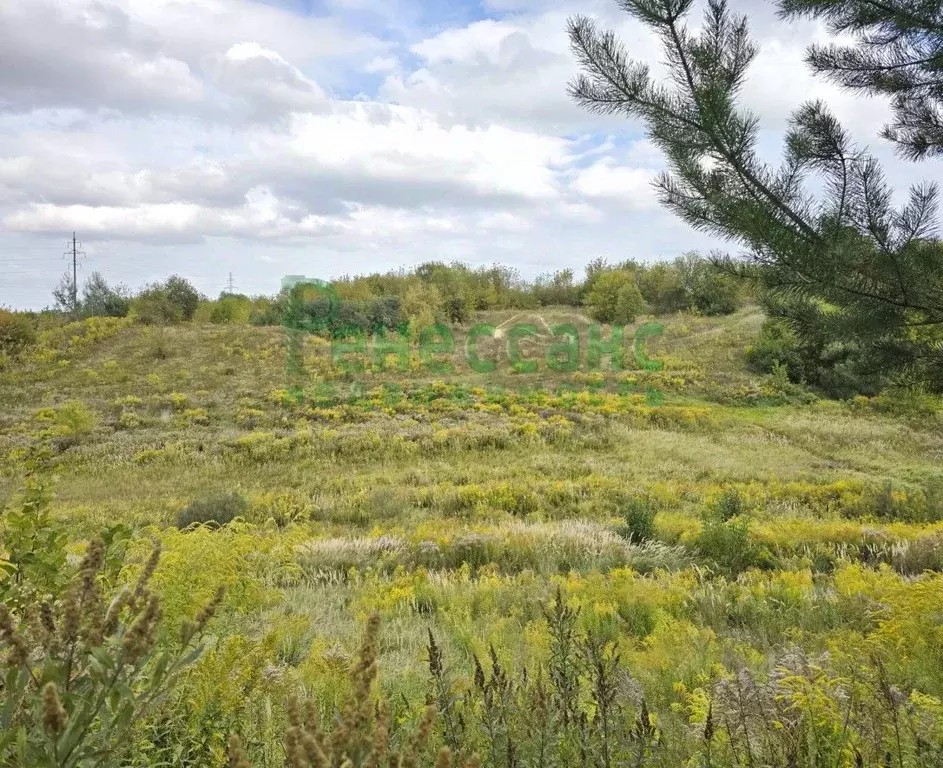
[707, 522]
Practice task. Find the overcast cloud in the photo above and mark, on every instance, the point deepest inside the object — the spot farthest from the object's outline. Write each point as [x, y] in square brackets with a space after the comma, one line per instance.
[205, 137]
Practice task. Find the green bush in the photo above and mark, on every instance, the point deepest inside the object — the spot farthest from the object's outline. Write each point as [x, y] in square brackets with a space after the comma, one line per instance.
[68, 423]
[727, 544]
[173, 301]
[776, 345]
[729, 505]
[218, 508]
[660, 285]
[101, 300]
[267, 311]
[17, 332]
[228, 309]
[421, 307]
[80, 667]
[724, 540]
[707, 290]
[638, 520]
[556, 289]
[615, 298]
[34, 543]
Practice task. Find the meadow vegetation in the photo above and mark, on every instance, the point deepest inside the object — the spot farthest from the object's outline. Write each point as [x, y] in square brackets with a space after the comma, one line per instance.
[228, 544]
[697, 565]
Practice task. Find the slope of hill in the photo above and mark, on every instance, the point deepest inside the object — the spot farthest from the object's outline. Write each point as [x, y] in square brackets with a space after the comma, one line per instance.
[708, 522]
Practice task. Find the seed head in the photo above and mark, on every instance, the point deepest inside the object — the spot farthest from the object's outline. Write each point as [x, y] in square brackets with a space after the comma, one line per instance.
[46, 619]
[209, 610]
[139, 639]
[314, 750]
[381, 737]
[237, 755]
[411, 757]
[71, 614]
[91, 564]
[54, 715]
[19, 651]
[6, 622]
[294, 752]
[113, 614]
[140, 587]
[294, 712]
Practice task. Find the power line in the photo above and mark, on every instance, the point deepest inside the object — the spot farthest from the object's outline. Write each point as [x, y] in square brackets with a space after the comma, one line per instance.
[75, 270]
[33, 260]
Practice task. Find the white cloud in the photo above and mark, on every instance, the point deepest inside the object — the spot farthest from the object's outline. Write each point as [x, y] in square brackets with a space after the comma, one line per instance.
[261, 217]
[624, 186]
[268, 83]
[481, 40]
[146, 56]
[780, 81]
[381, 64]
[238, 134]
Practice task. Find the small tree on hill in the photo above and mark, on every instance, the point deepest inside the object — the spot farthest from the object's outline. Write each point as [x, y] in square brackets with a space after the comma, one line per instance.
[100, 299]
[172, 301]
[615, 298]
[65, 295]
[859, 281]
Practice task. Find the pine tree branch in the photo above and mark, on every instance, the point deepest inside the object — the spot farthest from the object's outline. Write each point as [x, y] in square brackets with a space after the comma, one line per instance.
[719, 146]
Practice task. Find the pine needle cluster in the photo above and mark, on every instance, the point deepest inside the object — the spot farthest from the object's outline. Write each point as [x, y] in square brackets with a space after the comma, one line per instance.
[897, 51]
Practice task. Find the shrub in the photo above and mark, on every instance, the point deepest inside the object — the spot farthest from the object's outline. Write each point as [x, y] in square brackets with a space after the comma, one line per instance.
[615, 298]
[71, 421]
[229, 309]
[660, 285]
[218, 508]
[777, 345]
[172, 301]
[100, 300]
[17, 332]
[725, 540]
[70, 651]
[729, 505]
[707, 290]
[267, 311]
[34, 543]
[421, 307]
[558, 288]
[638, 520]
[182, 295]
[727, 544]
[461, 292]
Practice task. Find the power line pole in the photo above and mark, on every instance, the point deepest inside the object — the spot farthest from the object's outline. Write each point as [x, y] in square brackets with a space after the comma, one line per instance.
[230, 285]
[75, 253]
[75, 272]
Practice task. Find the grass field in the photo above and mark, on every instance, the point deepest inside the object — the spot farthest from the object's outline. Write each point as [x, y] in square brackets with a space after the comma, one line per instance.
[719, 530]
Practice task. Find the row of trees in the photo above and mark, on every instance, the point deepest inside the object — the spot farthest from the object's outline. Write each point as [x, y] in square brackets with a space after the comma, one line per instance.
[853, 286]
[172, 301]
[430, 293]
[611, 292]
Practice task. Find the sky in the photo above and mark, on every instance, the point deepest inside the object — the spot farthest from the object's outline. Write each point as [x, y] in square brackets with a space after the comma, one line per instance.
[332, 137]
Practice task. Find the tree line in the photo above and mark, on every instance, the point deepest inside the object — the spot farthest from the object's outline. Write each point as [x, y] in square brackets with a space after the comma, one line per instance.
[414, 299]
